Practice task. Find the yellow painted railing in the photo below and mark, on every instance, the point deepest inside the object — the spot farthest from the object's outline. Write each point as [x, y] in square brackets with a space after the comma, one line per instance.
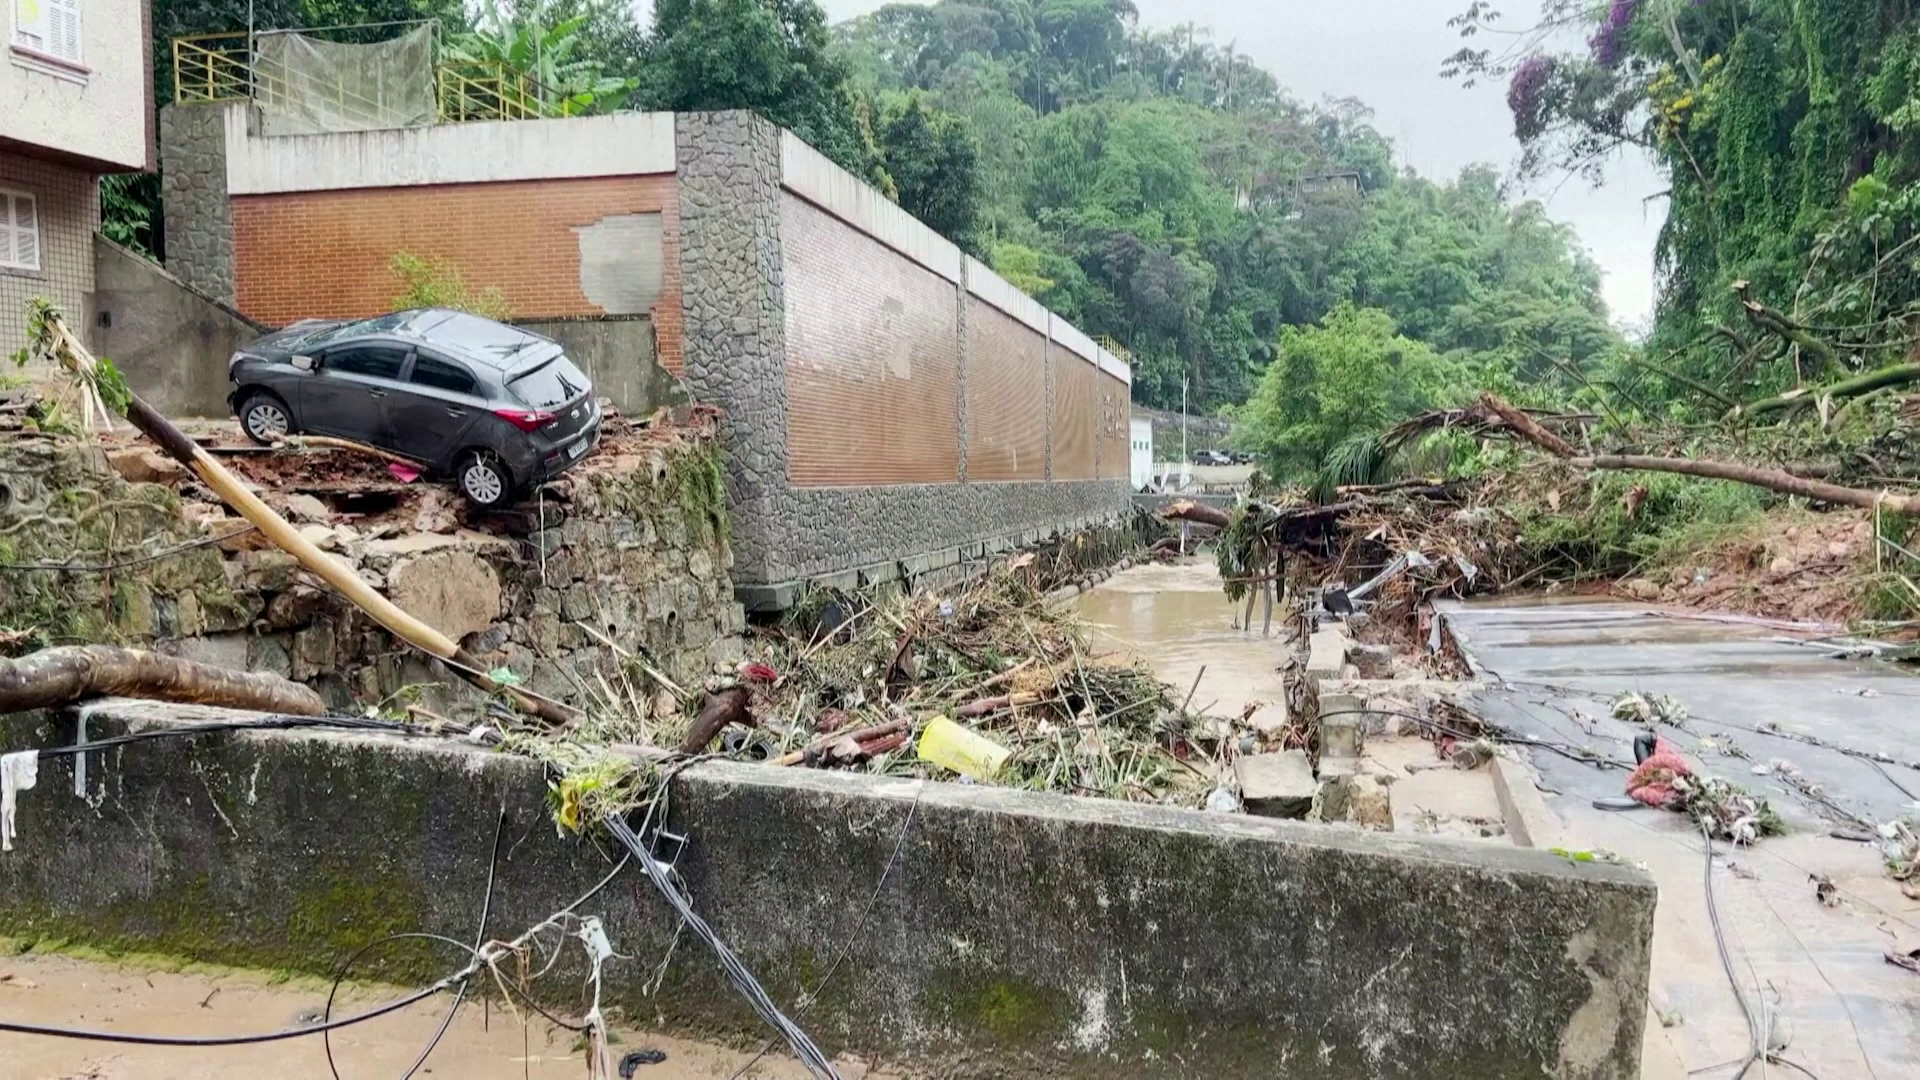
[212, 67]
[1107, 342]
[222, 67]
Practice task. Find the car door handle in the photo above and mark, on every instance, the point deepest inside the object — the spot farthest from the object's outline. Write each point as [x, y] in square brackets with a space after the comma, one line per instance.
[376, 393]
[456, 412]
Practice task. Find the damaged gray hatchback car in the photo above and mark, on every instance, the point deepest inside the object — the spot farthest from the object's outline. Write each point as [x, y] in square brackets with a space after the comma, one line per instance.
[495, 408]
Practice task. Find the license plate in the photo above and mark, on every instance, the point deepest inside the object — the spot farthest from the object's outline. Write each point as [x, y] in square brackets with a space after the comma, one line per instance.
[577, 449]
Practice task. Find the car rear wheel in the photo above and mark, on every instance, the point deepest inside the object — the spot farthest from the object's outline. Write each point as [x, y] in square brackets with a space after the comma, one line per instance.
[265, 419]
[484, 480]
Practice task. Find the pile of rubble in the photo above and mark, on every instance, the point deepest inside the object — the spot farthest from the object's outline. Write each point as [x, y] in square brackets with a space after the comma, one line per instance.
[624, 557]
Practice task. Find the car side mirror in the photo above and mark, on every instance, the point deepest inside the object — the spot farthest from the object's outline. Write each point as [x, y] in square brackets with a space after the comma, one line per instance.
[304, 363]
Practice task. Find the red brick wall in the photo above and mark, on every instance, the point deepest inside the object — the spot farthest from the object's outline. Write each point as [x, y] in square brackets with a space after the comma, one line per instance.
[873, 359]
[325, 253]
[1006, 397]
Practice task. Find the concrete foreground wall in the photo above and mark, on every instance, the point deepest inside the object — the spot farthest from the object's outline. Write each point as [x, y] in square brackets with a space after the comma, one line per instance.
[1015, 935]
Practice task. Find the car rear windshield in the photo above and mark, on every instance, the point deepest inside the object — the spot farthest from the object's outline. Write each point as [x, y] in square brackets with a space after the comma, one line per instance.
[551, 384]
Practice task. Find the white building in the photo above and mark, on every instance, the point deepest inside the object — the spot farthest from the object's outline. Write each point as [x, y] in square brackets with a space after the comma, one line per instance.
[76, 101]
[1142, 454]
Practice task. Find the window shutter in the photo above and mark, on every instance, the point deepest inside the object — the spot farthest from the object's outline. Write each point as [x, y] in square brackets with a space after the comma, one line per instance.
[19, 232]
[26, 233]
[63, 28]
[30, 24]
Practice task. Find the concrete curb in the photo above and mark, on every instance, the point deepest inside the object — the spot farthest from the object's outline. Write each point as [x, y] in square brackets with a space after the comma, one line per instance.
[1529, 821]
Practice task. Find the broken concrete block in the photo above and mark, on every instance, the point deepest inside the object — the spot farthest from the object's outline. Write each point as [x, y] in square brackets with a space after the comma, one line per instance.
[1372, 661]
[143, 465]
[1276, 785]
[1361, 799]
[308, 509]
[1327, 652]
[454, 591]
[1343, 721]
[1343, 736]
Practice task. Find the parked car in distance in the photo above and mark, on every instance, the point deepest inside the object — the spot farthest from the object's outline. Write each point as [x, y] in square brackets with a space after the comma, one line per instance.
[1211, 457]
[492, 407]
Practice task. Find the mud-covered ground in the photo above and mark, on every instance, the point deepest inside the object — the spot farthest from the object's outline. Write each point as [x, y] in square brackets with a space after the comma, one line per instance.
[485, 1041]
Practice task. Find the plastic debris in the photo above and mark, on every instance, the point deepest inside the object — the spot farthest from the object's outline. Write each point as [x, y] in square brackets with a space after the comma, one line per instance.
[951, 746]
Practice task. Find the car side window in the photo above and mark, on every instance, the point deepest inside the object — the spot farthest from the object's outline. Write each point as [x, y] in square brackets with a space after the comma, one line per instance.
[442, 375]
[376, 361]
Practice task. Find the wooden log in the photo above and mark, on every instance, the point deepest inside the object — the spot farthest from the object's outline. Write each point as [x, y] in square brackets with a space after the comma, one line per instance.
[724, 707]
[1198, 513]
[61, 676]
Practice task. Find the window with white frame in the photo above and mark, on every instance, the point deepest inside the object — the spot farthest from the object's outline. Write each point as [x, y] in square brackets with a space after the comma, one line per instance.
[19, 231]
[51, 27]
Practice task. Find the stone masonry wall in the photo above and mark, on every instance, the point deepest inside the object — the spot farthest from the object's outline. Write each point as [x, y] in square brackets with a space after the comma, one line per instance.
[193, 186]
[735, 331]
[638, 555]
[736, 262]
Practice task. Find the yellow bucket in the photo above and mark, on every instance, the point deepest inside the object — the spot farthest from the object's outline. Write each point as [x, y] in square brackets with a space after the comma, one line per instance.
[951, 746]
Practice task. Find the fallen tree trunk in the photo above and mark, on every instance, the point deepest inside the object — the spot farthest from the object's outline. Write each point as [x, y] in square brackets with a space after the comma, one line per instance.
[54, 677]
[59, 344]
[1784, 328]
[1198, 513]
[1845, 388]
[1772, 479]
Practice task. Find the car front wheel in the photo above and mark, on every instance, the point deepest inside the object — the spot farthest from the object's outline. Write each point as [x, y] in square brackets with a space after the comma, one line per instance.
[484, 480]
[265, 419]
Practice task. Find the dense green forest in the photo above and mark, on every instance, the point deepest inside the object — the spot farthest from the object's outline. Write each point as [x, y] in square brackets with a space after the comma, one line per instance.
[1789, 135]
[1153, 188]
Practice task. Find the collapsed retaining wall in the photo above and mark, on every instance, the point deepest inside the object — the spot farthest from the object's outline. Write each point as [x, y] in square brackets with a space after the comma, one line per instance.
[1013, 935]
[627, 554]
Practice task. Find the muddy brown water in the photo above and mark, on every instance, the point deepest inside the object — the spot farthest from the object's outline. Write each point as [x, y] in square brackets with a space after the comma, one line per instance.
[484, 1042]
[1177, 619]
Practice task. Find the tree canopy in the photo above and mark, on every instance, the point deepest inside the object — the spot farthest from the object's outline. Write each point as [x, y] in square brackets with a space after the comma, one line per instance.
[1789, 135]
[1169, 194]
[1156, 189]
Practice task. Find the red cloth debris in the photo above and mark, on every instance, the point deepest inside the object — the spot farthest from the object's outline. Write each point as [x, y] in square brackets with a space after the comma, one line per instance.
[1653, 782]
[406, 474]
[758, 672]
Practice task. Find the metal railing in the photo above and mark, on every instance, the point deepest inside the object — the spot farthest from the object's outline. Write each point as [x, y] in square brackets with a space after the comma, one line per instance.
[212, 67]
[224, 67]
[476, 90]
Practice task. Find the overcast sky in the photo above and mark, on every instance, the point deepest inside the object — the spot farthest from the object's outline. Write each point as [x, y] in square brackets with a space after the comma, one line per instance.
[1387, 53]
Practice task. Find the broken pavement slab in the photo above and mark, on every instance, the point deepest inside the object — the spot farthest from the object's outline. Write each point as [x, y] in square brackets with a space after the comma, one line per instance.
[1276, 785]
[1327, 651]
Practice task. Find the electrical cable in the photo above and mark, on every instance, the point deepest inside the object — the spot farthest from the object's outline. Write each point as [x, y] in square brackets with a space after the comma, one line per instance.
[479, 939]
[270, 722]
[53, 1031]
[127, 564]
[1493, 734]
[737, 973]
[859, 924]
